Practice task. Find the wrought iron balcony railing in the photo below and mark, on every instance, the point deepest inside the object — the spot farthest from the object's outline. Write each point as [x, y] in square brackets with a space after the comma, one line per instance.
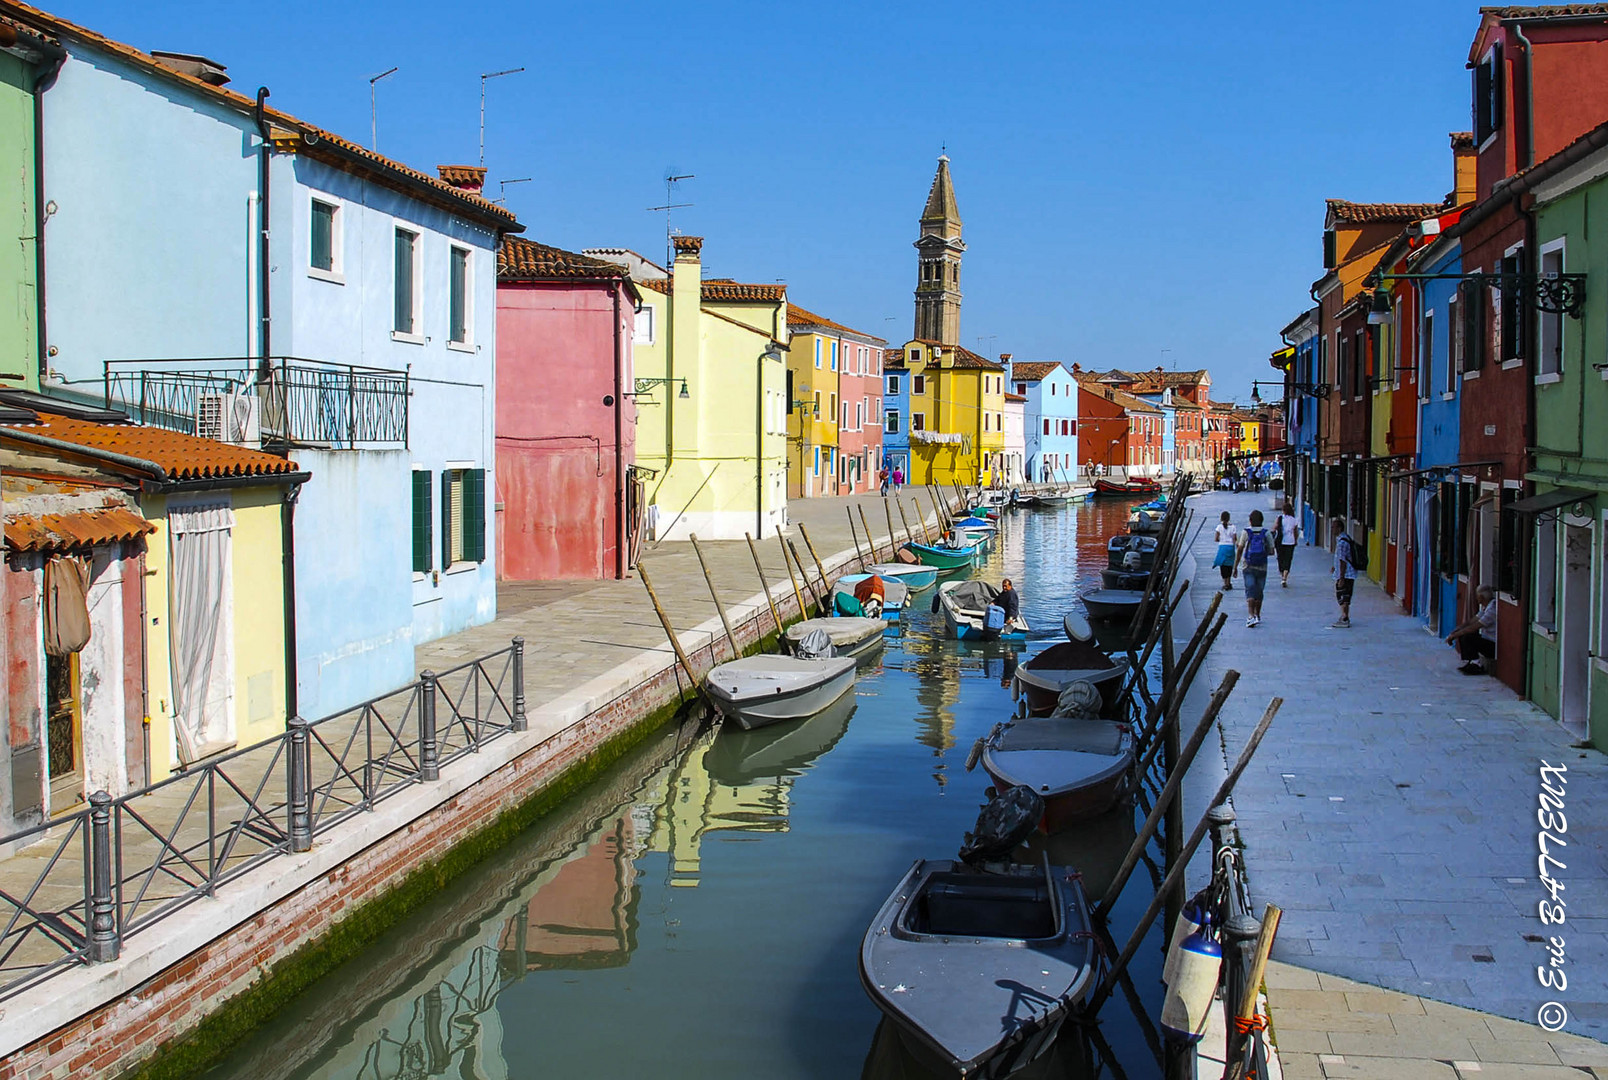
[277, 402]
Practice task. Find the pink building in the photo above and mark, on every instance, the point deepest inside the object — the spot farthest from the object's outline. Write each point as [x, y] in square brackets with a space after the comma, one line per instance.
[855, 367]
[567, 496]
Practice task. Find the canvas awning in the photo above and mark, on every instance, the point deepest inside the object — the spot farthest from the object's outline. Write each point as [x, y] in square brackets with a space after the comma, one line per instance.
[1551, 500]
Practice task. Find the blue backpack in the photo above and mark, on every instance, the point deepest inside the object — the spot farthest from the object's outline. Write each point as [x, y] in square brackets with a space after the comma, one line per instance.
[1256, 547]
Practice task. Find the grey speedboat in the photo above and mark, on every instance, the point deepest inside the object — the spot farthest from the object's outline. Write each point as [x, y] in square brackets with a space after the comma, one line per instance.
[977, 965]
[760, 690]
[850, 635]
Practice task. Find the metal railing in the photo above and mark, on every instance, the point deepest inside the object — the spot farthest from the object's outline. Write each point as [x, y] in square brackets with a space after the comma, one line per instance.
[76, 887]
[297, 402]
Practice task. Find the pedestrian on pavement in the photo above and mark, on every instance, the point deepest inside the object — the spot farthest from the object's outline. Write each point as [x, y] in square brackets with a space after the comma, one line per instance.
[1345, 573]
[1255, 545]
[1227, 558]
[898, 479]
[882, 480]
[1286, 534]
[1476, 638]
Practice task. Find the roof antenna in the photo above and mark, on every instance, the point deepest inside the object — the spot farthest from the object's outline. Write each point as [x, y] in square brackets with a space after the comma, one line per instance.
[484, 76]
[671, 179]
[374, 122]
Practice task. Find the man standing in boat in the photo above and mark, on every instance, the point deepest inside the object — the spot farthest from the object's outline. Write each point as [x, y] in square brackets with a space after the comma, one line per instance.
[1010, 602]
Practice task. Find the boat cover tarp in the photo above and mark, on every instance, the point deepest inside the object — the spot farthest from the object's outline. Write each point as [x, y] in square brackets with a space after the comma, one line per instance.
[1079, 700]
[1070, 656]
[843, 633]
[972, 595]
[813, 644]
[1084, 737]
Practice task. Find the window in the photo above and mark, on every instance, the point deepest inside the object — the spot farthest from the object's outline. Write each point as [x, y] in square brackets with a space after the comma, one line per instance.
[1513, 310]
[642, 332]
[324, 247]
[1052, 390]
[1426, 350]
[816, 469]
[890, 422]
[1046, 425]
[817, 412]
[918, 421]
[458, 298]
[1021, 388]
[1549, 350]
[1475, 304]
[405, 321]
[463, 516]
[422, 539]
[915, 354]
[817, 352]
[918, 384]
[1457, 334]
[833, 410]
[985, 421]
[893, 386]
[834, 355]
[845, 421]
[1066, 427]
[1546, 572]
[1510, 533]
[1488, 95]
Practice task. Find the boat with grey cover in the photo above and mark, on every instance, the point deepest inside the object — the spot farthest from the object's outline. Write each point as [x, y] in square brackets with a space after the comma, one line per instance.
[965, 606]
[850, 635]
[1080, 767]
[976, 963]
[759, 690]
[1040, 679]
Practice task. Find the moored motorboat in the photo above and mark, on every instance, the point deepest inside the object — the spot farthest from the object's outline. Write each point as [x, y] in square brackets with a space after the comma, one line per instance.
[1080, 767]
[944, 558]
[970, 613]
[895, 594]
[1111, 604]
[759, 690]
[914, 576]
[1130, 487]
[740, 757]
[1040, 680]
[1142, 522]
[850, 636]
[977, 963]
[1124, 579]
[1128, 552]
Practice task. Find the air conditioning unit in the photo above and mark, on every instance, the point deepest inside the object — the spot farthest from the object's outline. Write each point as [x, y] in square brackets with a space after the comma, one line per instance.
[229, 418]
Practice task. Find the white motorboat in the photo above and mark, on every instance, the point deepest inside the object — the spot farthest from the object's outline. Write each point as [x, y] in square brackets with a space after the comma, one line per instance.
[759, 690]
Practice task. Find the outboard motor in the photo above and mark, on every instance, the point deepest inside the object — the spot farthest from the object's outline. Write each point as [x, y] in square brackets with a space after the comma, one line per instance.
[1009, 818]
[1079, 701]
[816, 645]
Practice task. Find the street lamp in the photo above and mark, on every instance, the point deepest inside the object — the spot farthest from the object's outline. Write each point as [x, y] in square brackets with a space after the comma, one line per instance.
[645, 386]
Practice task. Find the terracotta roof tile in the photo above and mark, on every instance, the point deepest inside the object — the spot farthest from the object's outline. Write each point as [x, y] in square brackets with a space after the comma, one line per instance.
[965, 358]
[723, 291]
[519, 259]
[1033, 371]
[182, 457]
[1011, 396]
[1545, 11]
[305, 137]
[799, 317]
[463, 177]
[1354, 213]
[1462, 140]
[76, 529]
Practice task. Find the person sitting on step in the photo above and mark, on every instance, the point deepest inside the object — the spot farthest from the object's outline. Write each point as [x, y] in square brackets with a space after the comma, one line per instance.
[1476, 638]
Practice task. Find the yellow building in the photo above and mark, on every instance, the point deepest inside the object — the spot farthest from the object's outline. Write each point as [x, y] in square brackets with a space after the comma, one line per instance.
[712, 405]
[813, 361]
[957, 414]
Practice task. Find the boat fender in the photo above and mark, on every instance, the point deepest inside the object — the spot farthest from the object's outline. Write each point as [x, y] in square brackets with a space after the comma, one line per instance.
[1189, 998]
[935, 602]
[976, 754]
[1188, 921]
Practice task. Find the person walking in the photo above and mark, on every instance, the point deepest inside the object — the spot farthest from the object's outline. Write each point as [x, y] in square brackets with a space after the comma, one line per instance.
[1345, 574]
[1476, 638]
[1286, 534]
[882, 480]
[1227, 557]
[1255, 544]
[898, 479]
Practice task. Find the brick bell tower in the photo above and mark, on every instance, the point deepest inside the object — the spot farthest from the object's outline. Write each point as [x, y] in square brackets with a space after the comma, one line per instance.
[938, 253]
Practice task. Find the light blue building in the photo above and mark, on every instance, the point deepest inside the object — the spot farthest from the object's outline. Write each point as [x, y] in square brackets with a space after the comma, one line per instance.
[216, 266]
[1164, 402]
[895, 416]
[1050, 420]
[1440, 502]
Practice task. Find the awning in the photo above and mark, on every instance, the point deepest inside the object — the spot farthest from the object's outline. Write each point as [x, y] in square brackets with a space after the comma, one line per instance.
[1551, 500]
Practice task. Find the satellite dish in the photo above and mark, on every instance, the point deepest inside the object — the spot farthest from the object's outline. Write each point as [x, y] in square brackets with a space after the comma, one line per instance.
[1077, 627]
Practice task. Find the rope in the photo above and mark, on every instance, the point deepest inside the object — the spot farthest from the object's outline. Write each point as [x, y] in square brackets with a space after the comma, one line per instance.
[1249, 1025]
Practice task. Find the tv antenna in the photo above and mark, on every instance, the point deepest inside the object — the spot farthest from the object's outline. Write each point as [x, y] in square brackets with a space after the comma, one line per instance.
[502, 188]
[374, 123]
[671, 179]
[484, 76]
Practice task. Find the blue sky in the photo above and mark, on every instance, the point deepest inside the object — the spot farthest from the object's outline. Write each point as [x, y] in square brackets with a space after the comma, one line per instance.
[1132, 180]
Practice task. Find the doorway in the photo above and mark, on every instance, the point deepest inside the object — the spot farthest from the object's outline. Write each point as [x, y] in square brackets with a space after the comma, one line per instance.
[64, 732]
[1574, 645]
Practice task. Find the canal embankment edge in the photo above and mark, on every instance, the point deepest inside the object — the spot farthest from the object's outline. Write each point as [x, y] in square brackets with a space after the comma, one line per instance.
[188, 986]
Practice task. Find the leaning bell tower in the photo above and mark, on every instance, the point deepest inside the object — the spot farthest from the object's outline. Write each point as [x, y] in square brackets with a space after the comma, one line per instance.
[938, 255]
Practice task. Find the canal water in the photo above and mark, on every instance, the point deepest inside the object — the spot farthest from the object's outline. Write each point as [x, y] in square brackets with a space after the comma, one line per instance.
[698, 910]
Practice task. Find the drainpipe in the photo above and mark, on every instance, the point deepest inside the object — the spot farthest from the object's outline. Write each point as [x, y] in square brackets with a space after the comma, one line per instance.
[1529, 96]
[759, 446]
[55, 56]
[619, 449]
[287, 572]
[264, 339]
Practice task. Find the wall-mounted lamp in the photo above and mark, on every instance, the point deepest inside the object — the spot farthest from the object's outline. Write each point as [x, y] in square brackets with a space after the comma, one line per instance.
[645, 386]
[1379, 309]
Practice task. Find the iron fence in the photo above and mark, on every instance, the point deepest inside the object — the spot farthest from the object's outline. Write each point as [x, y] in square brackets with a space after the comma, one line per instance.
[284, 401]
[76, 887]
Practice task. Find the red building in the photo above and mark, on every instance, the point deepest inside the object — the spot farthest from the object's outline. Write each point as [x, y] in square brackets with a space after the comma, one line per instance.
[1540, 81]
[1117, 432]
[565, 425]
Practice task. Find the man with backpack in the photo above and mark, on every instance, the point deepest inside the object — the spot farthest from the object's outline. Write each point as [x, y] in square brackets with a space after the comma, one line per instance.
[1255, 545]
[1348, 559]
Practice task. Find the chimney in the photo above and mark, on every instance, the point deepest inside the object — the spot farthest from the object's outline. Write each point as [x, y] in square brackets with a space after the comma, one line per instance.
[1005, 357]
[470, 179]
[199, 67]
[686, 303]
[1464, 155]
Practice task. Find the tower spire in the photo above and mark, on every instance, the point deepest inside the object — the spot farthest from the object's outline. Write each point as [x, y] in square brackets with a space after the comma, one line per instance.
[939, 249]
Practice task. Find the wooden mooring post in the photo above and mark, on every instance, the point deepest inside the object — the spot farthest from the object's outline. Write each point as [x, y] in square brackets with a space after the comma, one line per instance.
[760, 570]
[670, 631]
[856, 538]
[781, 542]
[869, 539]
[720, 609]
[820, 609]
[826, 587]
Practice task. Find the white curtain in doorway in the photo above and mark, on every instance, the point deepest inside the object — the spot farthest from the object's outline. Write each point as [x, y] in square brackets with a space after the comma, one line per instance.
[201, 625]
[1423, 529]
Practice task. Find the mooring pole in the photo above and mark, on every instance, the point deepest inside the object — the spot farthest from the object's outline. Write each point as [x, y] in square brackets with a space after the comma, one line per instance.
[1175, 876]
[820, 609]
[869, 539]
[781, 542]
[760, 570]
[1246, 1014]
[826, 588]
[856, 538]
[720, 609]
[893, 540]
[670, 631]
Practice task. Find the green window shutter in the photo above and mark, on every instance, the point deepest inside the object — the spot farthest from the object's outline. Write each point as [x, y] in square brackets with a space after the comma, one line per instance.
[474, 514]
[446, 518]
[421, 521]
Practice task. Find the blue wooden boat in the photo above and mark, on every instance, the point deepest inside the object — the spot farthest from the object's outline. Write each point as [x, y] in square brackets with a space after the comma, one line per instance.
[965, 603]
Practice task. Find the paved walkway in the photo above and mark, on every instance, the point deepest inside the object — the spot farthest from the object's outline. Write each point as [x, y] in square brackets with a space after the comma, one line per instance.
[1391, 812]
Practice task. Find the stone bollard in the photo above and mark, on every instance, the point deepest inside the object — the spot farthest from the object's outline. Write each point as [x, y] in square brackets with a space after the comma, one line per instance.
[104, 942]
[429, 752]
[299, 804]
[520, 723]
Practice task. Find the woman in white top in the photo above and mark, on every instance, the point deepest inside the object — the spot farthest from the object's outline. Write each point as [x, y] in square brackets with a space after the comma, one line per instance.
[1227, 550]
[1286, 534]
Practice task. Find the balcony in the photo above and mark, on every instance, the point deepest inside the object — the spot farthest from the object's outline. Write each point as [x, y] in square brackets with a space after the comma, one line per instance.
[277, 403]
